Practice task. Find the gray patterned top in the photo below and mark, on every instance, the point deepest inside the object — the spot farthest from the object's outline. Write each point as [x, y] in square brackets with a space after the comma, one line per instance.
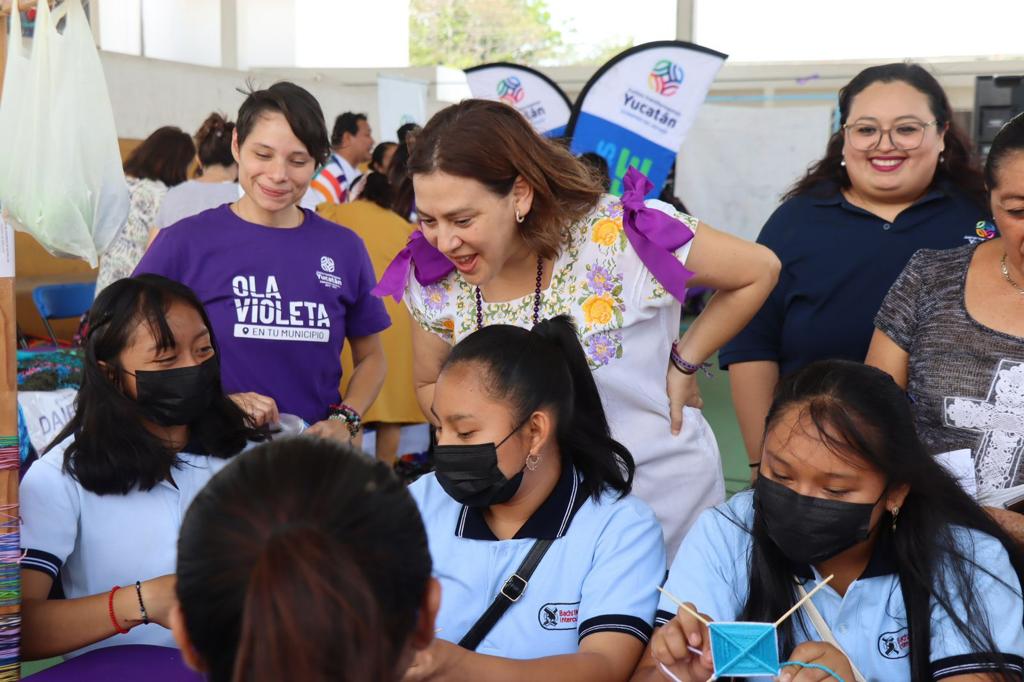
[966, 380]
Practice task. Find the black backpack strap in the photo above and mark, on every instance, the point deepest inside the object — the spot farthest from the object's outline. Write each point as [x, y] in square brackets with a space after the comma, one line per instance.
[508, 595]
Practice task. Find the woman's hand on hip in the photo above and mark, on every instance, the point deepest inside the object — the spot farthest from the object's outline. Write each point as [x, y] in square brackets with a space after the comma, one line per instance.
[682, 391]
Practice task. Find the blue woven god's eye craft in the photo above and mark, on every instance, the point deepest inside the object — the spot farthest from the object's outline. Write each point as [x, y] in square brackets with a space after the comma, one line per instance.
[744, 649]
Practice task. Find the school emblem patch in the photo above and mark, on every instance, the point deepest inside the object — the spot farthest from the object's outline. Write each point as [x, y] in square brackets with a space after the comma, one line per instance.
[895, 644]
[559, 616]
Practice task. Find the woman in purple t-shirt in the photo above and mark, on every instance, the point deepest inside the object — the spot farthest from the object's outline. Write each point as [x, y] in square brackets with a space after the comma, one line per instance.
[283, 287]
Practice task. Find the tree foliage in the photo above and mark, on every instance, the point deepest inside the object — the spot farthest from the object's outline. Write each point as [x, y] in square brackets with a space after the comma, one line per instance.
[464, 33]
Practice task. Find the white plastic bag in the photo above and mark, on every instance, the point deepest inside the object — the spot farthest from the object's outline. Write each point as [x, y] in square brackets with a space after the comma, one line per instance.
[60, 167]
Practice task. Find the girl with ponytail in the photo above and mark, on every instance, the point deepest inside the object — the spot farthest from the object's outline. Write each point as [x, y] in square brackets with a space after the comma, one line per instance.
[306, 561]
[526, 465]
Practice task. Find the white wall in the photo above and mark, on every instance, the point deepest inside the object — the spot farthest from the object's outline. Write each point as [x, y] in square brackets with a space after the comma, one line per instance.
[148, 93]
[183, 30]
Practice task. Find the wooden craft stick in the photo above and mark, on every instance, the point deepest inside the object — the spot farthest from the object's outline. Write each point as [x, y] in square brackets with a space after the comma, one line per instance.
[800, 603]
[686, 608]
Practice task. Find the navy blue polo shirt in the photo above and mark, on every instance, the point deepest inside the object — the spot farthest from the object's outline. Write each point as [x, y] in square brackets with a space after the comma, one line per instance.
[838, 262]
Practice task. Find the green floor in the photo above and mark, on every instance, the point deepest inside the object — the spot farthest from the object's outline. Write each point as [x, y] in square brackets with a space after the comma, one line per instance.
[719, 412]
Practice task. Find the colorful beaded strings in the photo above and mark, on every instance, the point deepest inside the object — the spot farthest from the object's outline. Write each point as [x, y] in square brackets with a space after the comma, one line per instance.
[10, 571]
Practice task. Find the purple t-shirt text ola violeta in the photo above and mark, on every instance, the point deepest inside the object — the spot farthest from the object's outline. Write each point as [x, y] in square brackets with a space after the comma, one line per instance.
[281, 300]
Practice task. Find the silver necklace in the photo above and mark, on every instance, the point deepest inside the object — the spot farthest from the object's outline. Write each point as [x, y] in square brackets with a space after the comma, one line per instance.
[1006, 276]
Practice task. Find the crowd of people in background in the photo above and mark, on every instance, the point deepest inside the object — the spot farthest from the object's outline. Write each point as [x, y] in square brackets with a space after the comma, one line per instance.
[477, 277]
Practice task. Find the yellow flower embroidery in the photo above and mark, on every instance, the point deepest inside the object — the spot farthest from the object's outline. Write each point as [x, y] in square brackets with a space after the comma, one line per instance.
[606, 231]
[598, 310]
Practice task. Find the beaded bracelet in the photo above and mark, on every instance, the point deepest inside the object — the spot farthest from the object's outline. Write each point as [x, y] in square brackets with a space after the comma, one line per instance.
[110, 609]
[688, 368]
[142, 607]
[344, 413]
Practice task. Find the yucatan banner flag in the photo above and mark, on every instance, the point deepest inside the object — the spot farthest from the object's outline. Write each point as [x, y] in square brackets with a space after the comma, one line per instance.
[636, 109]
[536, 96]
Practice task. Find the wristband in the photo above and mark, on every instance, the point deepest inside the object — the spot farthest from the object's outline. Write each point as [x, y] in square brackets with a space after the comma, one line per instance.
[142, 607]
[110, 609]
[688, 368]
[344, 413]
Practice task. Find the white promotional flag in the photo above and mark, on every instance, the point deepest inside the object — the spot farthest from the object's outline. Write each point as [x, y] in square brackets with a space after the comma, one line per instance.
[536, 96]
[636, 109]
[399, 101]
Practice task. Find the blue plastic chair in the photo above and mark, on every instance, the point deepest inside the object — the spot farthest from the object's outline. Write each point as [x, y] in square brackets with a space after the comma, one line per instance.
[59, 301]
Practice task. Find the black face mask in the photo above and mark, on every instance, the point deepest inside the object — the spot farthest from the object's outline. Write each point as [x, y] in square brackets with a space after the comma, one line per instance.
[175, 397]
[809, 530]
[470, 473]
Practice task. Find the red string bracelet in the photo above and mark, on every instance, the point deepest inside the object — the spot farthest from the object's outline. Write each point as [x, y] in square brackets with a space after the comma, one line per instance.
[110, 607]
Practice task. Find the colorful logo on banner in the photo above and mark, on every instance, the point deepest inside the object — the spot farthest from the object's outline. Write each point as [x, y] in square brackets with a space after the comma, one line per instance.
[666, 78]
[510, 91]
[635, 111]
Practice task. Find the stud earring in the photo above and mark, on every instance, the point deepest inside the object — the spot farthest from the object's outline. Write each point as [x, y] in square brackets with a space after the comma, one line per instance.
[519, 217]
[895, 511]
[532, 461]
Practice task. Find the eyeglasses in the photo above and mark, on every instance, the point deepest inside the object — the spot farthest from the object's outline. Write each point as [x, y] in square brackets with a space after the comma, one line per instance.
[906, 136]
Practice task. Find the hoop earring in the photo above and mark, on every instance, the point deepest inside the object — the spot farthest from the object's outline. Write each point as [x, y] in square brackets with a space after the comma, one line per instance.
[519, 217]
[895, 511]
[533, 461]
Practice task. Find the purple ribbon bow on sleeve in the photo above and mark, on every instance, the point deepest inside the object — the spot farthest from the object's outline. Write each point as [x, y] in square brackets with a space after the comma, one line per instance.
[429, 265]
[655, 235]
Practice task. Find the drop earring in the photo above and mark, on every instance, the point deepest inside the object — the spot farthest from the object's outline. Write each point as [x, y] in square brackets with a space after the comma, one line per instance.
[843, 163]
[895, 511]
[942, 159]
[533, 461]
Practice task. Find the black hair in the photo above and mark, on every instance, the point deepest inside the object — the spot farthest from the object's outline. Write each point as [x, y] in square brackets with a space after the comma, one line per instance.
[165, 156]
[377, 158]
[378, 190]
[959, 167]
[546, 367]
[1008, 140]
[299, 108]
[113, 452]
[213, 141]
[303, 559]
[345, 123]
[403, 198]
[860, 413]
[403, 132]
[598, 165]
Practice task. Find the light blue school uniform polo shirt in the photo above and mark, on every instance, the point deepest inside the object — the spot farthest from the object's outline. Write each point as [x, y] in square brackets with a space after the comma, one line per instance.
[599, 575]
[712, 567]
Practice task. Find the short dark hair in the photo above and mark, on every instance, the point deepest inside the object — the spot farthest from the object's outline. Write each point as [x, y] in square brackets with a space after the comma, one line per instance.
[377, 189]
[299, 108]
[113, 452]
[302, 559]
[546, 367]
[345, 123]
[960, 167]
[1008, 140]
[377, 158]
[164, 156]
[598, 165]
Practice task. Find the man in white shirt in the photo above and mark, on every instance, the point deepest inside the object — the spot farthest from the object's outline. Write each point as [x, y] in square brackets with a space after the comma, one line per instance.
[352, 143]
